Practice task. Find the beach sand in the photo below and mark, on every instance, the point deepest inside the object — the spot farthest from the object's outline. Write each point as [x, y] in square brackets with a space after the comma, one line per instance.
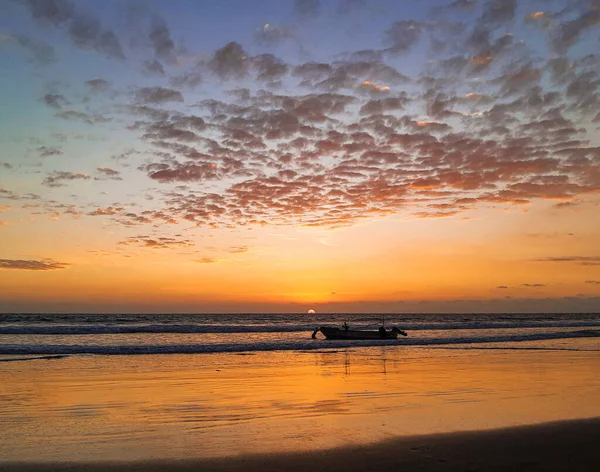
[378, 409]
[560, 446]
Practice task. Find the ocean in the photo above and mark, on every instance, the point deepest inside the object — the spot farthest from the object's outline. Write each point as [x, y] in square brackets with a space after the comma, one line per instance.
[114, 334]
[97, 388]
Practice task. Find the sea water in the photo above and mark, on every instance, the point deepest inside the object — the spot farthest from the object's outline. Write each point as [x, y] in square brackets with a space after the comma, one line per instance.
[74, 334]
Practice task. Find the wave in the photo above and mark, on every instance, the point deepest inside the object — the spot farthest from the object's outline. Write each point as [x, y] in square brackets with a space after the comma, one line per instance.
[15, 359]
[54, 349]
[154, 328]
[270, 328]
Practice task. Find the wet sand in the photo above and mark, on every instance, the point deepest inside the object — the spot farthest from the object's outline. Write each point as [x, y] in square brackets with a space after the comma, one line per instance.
[560, 446]
[361, 409]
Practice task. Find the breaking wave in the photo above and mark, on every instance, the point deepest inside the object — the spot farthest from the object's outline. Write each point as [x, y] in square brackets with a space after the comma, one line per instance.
[308, 345]
[83, 329]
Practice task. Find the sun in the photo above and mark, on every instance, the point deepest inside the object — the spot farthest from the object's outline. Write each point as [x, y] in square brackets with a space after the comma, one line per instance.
[311, 312]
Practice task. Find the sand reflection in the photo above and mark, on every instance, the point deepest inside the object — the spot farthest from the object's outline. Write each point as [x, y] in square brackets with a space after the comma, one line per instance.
[139, 407]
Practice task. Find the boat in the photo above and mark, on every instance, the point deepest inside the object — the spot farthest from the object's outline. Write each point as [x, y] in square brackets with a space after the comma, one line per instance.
[346, 333]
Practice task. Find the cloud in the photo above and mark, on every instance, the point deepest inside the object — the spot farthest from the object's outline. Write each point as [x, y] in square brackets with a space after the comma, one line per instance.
[593, 282]
[108, 43]
[85, 31]
[97, 85]
[46, 151]
[487, 119]
[107, 173]
[154, 67]
[231, 61]
[403, 35]
[6, 165]
[373, 87]
[207, 260]
[188, 172]
[569, 31]
[109, 211]
[161, 242]
[57, 178]
[383, 105]
[502, 286]
[582, 260]
[55, 100]
[533, 285]
[9, 195]
[238, 249]
[160, 37]
[56, 12]
[44, 264]
[77, 115]
[158, 95]
[268, 67]
[498, 11]
[456, 5]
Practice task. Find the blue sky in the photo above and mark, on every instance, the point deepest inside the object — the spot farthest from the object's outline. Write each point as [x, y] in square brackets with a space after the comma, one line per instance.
[251, 144]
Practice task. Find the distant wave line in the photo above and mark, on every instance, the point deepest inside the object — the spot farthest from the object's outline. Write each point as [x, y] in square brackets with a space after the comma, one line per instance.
[206, 329]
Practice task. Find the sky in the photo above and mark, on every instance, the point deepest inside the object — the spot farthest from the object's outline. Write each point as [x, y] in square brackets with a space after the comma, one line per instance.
[281, 156]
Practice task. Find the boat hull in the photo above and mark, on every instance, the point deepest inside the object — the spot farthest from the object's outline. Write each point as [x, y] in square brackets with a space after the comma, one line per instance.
[337, 333]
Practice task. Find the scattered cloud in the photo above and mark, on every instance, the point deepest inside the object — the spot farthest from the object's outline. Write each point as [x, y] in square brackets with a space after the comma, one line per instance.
[230, 62]
[75, 115]
[207, 260]
[108, 211]
[488, 120]
[46, 151]
[84, 30]
[57, 178]
[44, 264]
[10, 195]
[160, 37]
[106, 173]
[582, 260]
[54, 100]
[154, 67]
[97, 85]
[159, 242]
[403, 35]
[569, 31]
[158, 95]
[238, 250]
[373, 87]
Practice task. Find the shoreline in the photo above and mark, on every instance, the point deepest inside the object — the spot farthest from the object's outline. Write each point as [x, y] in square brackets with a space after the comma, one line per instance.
[556, 446]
